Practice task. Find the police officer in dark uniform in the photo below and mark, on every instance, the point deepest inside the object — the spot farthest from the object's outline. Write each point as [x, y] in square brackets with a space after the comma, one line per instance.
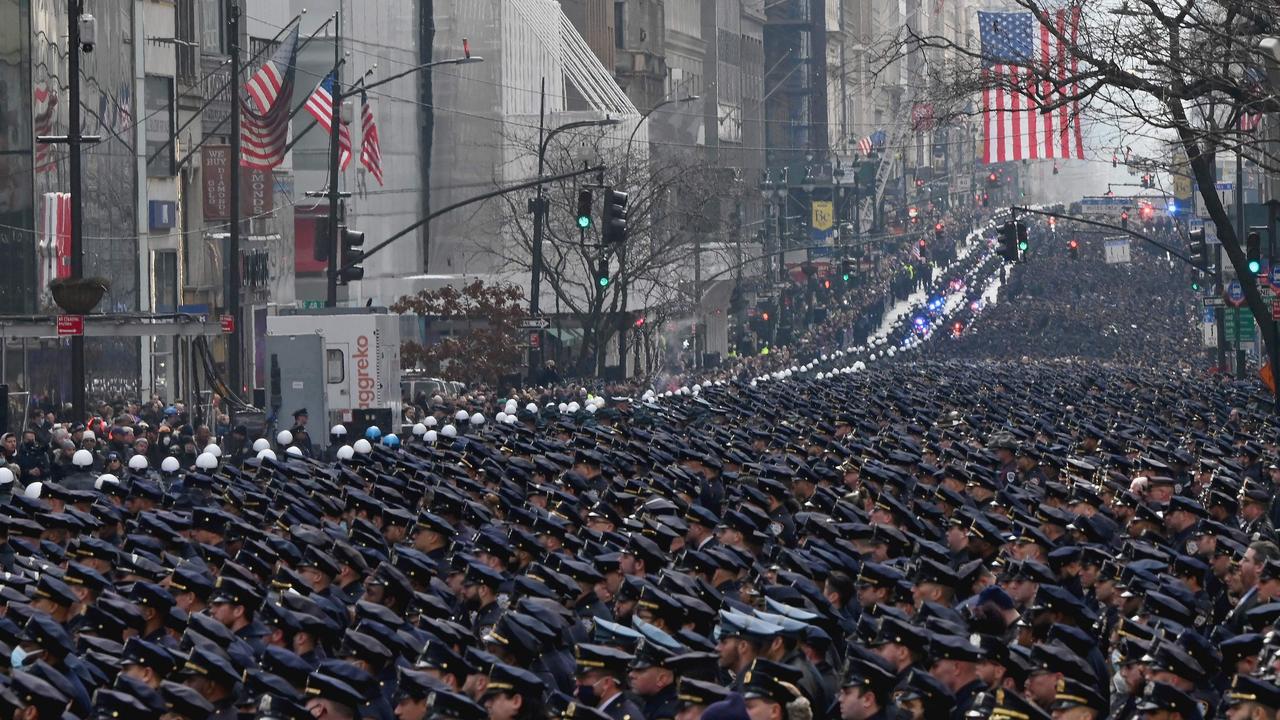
[652, 682]
[866, 690]
[600, 672]
[480, 588]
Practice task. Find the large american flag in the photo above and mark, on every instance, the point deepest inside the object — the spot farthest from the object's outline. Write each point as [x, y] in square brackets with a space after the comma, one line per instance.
[320, 105]
[1019, 55]
[264, 108]
[370, 147]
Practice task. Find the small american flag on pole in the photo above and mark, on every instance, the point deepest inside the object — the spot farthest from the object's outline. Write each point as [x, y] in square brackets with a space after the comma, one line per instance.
[370, 148]
[320, 105]
[1020, 56]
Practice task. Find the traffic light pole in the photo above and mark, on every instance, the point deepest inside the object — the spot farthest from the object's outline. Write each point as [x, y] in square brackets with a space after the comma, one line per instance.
[538, 206]
[335, 117]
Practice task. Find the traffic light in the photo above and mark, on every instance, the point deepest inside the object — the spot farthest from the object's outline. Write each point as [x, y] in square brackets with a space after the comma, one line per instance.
[1007, 246]
[350, 268]
[993, 179]
[1253, 251]
[1023, 245]
[1197, 248]
[584, 209]
[614, 217]
[846, 269]
[938, 228]
[914, 214]
[321, 241]
[1073, 248]
[986, 199]
[923, 244]
[1124, 219]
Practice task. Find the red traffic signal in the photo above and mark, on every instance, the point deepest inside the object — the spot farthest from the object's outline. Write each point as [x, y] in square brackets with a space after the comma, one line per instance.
[764, 316]
[937, 227]
[992, 178]
[1073, 245]
[639, 321]
[922, 243]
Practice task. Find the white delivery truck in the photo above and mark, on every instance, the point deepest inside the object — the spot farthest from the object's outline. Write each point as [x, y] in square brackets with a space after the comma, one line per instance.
[341, 364]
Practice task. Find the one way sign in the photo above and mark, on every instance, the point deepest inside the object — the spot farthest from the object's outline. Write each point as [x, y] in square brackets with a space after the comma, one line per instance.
[535, 323]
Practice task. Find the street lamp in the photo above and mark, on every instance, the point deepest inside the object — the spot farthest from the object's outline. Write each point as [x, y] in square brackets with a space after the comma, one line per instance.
[539, 208]
[650, 111]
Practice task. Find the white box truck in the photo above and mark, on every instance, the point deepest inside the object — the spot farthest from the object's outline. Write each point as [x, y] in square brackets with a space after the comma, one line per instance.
[359, 367]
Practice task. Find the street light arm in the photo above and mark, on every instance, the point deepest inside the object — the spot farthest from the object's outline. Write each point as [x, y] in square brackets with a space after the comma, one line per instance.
[542, 149]
[417, 68]
[650, 111]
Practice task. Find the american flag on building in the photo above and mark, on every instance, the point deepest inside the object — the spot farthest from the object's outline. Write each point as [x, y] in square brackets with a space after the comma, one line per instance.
[264, 108]
[870, 142]
[46, 112]
[1020, 55]
[320, 105]
[370, 147]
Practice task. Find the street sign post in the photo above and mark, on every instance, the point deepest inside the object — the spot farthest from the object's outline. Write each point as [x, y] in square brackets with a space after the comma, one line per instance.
[70, 325]
[1235, 293]
[1239, 326]
[535, 323]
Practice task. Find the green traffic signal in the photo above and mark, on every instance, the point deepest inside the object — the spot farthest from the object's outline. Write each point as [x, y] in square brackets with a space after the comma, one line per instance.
[584, 221]
[604, 282]
[1195, 285]
[1023, 246]
[846, 277]
[1255, 266]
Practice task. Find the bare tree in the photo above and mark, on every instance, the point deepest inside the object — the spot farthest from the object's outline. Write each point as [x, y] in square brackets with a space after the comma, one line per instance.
[1180, 71]
[668, 202]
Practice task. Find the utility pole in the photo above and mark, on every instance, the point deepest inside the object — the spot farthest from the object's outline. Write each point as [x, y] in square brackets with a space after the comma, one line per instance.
[234, 347]
[78, 379]
[1240, 234]
[335, 244]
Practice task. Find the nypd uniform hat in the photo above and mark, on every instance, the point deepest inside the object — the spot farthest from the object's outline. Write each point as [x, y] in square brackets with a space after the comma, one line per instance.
[1249, 689]
[330, 688]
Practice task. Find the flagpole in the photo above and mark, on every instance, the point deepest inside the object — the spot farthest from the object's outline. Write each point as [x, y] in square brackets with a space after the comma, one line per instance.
[233, 250]
[335, 245]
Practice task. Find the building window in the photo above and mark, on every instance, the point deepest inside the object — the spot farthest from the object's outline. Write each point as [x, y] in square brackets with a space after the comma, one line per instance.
[619, 26]
[159, 126]
[166, 280]
[211, 28]
[185, 32]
